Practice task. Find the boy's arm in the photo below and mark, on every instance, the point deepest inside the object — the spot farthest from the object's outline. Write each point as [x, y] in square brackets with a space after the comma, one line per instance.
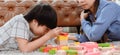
[26, 46]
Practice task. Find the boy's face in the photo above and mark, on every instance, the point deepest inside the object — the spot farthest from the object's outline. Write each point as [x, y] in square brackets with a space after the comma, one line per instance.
[38, 30]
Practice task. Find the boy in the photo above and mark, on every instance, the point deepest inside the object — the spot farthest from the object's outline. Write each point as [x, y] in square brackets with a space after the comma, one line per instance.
[20, 30]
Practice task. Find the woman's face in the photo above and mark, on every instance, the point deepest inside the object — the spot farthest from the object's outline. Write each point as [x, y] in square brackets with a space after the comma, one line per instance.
[86, 4]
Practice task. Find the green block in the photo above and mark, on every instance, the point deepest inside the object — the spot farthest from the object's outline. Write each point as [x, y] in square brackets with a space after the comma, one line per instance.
[41, 49]
[71, 52]
[104, 44]
[52, 52]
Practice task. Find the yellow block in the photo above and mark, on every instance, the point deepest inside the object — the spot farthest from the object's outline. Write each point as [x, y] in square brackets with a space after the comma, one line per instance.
[76, 43]
[61, 37]
[54, 49]
[65, 48]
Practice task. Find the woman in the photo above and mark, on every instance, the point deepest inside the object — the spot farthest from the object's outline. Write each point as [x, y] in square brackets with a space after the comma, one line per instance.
[102, 18]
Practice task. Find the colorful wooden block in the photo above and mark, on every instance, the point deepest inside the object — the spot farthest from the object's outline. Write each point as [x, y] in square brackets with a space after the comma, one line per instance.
[62, 39]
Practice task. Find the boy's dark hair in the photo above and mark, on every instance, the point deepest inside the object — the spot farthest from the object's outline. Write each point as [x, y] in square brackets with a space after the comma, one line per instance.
[44, 14]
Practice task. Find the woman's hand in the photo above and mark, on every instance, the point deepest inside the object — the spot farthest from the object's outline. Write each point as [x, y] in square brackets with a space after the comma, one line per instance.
[72, 38]
[83, 15]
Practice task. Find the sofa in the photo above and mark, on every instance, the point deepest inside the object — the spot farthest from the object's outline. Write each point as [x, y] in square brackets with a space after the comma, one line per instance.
[68, 11]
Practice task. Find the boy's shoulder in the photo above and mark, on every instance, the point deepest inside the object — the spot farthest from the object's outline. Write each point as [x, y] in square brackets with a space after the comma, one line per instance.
[18, 18]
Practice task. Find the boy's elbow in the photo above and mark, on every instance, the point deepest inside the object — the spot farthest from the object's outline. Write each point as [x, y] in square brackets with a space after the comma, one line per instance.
[25, 50]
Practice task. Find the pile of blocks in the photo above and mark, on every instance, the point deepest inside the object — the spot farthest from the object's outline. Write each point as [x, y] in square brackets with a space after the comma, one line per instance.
[77, 48]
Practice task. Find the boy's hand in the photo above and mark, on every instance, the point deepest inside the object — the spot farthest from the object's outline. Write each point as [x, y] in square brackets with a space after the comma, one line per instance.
[55, 32]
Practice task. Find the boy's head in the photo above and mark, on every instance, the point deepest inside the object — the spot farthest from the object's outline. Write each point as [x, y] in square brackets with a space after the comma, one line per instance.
[41, 15]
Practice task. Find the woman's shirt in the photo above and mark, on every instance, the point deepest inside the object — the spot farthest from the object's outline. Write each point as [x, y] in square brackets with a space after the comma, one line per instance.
[107, 20]
[16, 27]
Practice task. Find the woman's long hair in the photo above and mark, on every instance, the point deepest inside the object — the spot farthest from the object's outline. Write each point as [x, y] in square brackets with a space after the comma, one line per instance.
[96, 4]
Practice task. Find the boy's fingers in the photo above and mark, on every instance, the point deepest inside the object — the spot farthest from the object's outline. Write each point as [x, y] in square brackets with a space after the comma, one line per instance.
[58, 29]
